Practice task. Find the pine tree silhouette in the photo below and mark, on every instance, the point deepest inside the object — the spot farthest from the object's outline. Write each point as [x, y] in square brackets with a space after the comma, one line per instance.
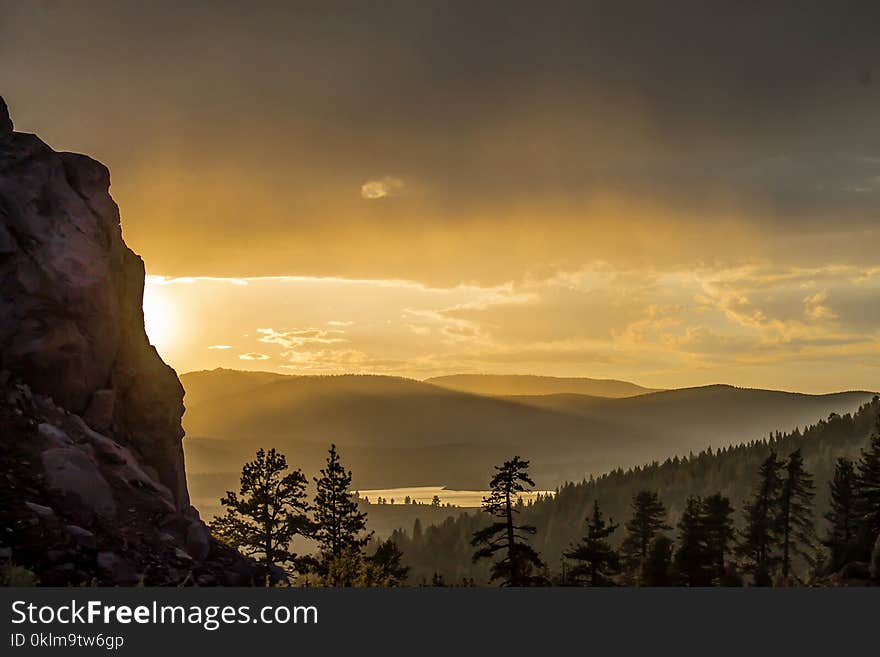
[842, 516]
[267, 512]
[596, 560]
[648, 520]
[387, 561]
[795, 530]
[719, 534]
[340, 527]
[868, 492]
[758, 539]
[693, 562]
[503, 535]
[656, 568]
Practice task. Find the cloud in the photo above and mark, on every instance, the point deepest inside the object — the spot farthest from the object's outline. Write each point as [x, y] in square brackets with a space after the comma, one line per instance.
[293, 339]
[153, 279]
[375, 189]
[220, 346]
[815, 308]
[806, 328]
[597, 130]
[311, 350]
[254, 356]
[330, 360]
[452, 329]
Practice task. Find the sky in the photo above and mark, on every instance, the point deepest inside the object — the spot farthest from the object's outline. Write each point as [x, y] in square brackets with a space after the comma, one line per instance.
[674, 196]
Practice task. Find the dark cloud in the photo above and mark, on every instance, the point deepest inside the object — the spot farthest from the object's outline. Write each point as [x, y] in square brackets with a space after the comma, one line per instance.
[226, 121]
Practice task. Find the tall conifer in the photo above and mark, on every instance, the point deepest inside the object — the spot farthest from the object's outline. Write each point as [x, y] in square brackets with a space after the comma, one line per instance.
[596, 560]
[692, 561]
[647, 521]
[868, 492]
[758, 539]
[504, 535]
[795, 525]
[340, 527]
[842, 516]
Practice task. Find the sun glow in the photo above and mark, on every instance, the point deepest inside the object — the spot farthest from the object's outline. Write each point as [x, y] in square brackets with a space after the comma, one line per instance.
[159, 319]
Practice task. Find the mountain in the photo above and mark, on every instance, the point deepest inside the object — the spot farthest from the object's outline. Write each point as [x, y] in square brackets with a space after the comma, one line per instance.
[220, 382]
[395, 432]
[526, 384]
[90, 435]
[733, 471]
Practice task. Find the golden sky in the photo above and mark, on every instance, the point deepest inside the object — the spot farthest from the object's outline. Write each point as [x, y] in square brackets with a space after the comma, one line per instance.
[594, 188]
[806, 329]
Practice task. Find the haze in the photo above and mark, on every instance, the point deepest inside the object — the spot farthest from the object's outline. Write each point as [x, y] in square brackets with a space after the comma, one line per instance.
[670, 197]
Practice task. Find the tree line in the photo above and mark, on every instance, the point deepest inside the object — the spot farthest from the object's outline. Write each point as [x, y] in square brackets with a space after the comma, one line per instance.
[771, 540]
[776, 546]
[443, 551]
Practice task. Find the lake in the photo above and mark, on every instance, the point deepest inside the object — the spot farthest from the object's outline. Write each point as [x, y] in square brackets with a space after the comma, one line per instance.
[424, 495]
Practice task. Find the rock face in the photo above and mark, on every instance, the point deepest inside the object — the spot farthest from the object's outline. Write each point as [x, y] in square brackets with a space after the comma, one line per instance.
[92, 480]
[6, 126]
[71, 295]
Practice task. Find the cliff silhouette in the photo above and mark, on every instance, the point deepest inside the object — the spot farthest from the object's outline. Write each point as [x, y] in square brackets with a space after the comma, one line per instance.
[90, 416]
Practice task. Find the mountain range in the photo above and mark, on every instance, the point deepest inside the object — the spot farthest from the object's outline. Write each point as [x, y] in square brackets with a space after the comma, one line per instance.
[395, 432]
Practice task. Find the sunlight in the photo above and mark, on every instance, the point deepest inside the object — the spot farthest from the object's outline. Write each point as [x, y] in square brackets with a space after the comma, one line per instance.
[159, 318]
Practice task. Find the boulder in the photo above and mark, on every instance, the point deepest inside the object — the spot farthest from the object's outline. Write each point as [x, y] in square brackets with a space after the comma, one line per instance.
[198, 541]
[42, 511]
[108, 561]
[182, 555]
[115, 569]
[82, 537]
[53, 435]
[74, 480]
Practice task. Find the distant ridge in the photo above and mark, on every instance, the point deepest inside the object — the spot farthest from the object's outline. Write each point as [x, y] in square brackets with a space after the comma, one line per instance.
[395, 432]
[220, 382]
[529, 384]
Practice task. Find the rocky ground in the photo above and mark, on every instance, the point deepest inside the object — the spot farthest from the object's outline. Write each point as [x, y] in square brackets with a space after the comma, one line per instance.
[78, 508]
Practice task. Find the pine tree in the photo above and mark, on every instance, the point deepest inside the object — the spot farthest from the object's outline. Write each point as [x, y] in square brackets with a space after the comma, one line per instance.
[597, 560]
[795, 525]
[874, 565]
[868, 493]
[758, 538]
[692, 561]
[842, 518]
[267, 512]
[648, 519]
[656, 568]
[719, 534]
[340, 527]
[503, 535]
[384, 567]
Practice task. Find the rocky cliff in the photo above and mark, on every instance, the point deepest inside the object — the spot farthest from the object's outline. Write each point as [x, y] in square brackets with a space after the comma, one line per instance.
[90, 430]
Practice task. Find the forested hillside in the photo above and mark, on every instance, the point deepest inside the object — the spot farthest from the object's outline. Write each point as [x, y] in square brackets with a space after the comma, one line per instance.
[733, 471]
[398, 432]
